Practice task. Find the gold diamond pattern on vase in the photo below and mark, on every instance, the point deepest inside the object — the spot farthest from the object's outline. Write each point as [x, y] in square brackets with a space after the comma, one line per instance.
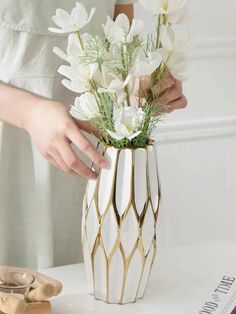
[119, 225]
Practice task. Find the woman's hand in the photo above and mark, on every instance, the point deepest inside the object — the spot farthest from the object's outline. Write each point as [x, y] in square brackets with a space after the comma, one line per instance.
[52, 130]
[169, 91]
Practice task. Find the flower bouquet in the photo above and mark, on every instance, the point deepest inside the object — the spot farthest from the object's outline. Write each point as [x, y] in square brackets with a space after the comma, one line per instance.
[118, 78]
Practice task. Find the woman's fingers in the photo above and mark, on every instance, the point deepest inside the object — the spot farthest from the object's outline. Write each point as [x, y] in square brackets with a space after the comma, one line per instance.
[159, 88]
[53, 162]
[73, 162]
[87, 127]
[86, 147]
[172, 93]
[164, 85]
[173, 98]
[56, 159]
[180, 103]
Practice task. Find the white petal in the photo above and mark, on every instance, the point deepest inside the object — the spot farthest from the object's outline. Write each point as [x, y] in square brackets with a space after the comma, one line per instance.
[56, 30]
[91, 14]
[79, 15]
[167, 37]
[61, 18]
[121, 97]
[93, 68]
[127, 80]
[183, 44]
[79, 86]
[122, 129]
[114, 33]
[116, 136]
[65, 70]
[107, 28]
[75, 86]
[116, 84]
[123, 22]
[117, 114]
[87, 105]
[132, 136]
[74, 46]
[179, 67]
[146, 66]
[178, 76]
[175, 5]
[136, 29]
[164, 54]
[138, 119]
[143, 68]
[179, 17]
[154, 6]
[60, 53]
[67, 83]
[77, 115]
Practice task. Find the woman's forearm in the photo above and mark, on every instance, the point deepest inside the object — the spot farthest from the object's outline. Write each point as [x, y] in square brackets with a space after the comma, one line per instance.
[127, 9]
[15, 105]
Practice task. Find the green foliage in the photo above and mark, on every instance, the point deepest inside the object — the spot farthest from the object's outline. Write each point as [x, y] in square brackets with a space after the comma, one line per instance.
[118, 61]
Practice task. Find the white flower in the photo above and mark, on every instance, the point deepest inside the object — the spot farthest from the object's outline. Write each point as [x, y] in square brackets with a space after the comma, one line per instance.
[146, 65]
[175, 51]
[93, 48]
[127, 123]
[176, 63]
[120, 30]
[116, 87]
[74, 49]
[79, 76]
[178, 17]
[162, 6]
[169, 41]
[85, 107]
[106, 76]
[73, 22]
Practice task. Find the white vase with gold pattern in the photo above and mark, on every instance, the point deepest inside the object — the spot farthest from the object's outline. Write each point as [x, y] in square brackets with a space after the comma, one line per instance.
[119, 225]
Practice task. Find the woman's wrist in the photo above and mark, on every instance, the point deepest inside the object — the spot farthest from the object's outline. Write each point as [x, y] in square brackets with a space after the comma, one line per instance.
[16, 105]
[36, 109]
[29, 110]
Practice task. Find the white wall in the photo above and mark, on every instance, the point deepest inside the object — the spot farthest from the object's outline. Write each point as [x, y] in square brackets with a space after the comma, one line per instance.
[197, 146]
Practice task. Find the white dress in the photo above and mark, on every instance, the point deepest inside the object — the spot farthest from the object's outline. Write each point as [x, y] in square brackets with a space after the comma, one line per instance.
[40, 206]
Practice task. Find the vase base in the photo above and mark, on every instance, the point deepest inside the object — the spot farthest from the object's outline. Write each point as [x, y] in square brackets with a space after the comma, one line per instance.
[102, 299]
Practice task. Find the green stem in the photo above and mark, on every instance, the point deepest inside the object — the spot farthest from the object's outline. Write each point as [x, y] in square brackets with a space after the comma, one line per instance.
[159, 24]
[156, 76]
[80, 40]
[124, 75]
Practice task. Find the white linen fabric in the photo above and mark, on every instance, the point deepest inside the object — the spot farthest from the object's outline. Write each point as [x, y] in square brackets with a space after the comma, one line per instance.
[40, 206]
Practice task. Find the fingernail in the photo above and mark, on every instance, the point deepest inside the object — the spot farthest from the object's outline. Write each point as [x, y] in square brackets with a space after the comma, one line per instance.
[93, 176]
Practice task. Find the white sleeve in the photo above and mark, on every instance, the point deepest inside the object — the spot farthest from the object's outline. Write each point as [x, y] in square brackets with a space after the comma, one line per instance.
[125, 1]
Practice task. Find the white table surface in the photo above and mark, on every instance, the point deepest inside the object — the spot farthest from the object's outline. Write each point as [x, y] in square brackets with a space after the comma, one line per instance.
[180, 283]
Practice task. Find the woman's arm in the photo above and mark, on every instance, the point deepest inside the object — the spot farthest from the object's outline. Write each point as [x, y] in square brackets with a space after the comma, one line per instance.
[127, 9]
[15, 104]
[51, 128]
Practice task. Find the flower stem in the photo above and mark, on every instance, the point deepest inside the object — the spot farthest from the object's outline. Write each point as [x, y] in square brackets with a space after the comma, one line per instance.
[124, 75]
[80, 40]
[157, 75]
[159, 24]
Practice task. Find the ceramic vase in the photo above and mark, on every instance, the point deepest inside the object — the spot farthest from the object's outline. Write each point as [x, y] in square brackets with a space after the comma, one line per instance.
[120, 212]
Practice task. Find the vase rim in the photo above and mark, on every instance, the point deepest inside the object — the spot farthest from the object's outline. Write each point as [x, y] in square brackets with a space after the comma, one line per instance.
[130, 148]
